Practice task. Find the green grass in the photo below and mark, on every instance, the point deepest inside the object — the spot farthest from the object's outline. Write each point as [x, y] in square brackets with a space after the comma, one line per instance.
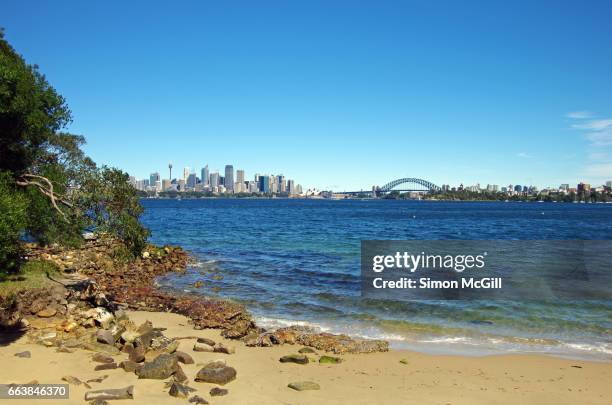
[31, 275]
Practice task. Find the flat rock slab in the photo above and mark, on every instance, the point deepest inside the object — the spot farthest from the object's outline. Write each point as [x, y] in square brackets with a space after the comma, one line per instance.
[24, 355]
[105, 366]
[161, 368]
[304, 386]
[207, 341]
[218, 392]
[216, 373]
[198, 400]
[102, 358]
[120, 393]
[330, 360]
[294, 358]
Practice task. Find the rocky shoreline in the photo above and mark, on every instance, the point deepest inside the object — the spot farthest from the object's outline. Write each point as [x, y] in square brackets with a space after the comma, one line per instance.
[85, 308]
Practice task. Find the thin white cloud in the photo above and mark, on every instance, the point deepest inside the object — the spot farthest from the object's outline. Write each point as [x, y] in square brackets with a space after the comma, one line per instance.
[600, 138]
[524, 155]
[594, 125]
[578, 115]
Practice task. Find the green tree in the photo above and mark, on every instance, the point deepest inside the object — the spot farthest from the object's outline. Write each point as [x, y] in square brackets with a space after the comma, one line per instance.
[45, 173]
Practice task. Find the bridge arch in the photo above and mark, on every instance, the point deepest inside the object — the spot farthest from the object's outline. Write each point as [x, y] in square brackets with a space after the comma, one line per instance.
[424, 185]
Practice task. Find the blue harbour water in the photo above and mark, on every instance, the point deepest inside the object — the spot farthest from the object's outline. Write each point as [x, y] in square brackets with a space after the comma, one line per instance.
[297, 261]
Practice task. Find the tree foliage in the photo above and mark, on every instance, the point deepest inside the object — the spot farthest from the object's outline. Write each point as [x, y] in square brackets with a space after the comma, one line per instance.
[45, 173]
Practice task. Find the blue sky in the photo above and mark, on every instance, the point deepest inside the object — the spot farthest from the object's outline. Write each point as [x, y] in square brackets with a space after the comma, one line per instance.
[334, 94]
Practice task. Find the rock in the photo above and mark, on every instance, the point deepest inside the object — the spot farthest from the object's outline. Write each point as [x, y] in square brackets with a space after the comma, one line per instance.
[203, 348]
[24, 355]
[198, 400]
[105, 336]
[129, 366]
[24, 323]
[207, 341]
[304, 386]
[403, 361]
[145, 255]
[179, 374]
[305, 350]
[180, 390]
[160, 368]
[102, 358]
[70, 326]
[72, 380]
[171, 347]
[105, 366]
[129, 336]
[64, 349]
[183, 357]
[47, 312]
[121, 393]
[283, 336]
[98, 402]
[221, 348]
[294, 358]
[98, 379]
[329, 360]
[137, 355]
[216, 372]
[218, 392]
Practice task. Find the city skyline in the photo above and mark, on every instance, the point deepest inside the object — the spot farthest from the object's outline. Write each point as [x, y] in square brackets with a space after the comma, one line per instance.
[449, 91]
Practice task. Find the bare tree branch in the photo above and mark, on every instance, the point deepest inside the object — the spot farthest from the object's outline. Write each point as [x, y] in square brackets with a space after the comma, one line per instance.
[47, 191]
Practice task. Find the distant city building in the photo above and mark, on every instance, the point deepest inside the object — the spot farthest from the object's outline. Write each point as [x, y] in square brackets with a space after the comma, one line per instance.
[205, 176]
[186, 172]
[282, 184]
[181, 185]
[214, 180]
[154, 180]
[192, 180]
[290, 187]
[264, 184]
[166, 184]
[229, 178]
[239, 176]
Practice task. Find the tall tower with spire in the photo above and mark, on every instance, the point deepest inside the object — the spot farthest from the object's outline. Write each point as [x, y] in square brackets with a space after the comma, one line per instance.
[170, 168]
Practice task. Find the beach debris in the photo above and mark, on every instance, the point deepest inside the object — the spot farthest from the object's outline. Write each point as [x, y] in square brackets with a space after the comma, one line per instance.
[218, 392]
[180, 390]
[294, 358]
[24, 355]
[575, 366]
[216, 372]
[304, 386]
[183, 357]
[198, 400]
[329, 360]
[403, 361]
[110, 394]
[102, 358]
[307, 350]
[161, 368]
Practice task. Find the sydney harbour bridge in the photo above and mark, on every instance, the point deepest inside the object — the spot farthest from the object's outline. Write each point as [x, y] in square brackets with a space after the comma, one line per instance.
[403, 185]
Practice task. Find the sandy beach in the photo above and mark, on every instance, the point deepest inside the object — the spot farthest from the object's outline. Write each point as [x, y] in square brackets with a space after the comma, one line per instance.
[378, 378]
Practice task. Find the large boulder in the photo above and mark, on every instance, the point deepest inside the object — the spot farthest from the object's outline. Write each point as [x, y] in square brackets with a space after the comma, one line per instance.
[216, 372]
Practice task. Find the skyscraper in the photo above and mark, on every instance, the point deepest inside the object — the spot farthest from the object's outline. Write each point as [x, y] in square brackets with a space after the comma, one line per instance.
[239, 176]
[185, 174]
[154, 179]
[214, 179]
[264, 184]
[205, 176]
[229, 178]
[290, 187]
[191, 181]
